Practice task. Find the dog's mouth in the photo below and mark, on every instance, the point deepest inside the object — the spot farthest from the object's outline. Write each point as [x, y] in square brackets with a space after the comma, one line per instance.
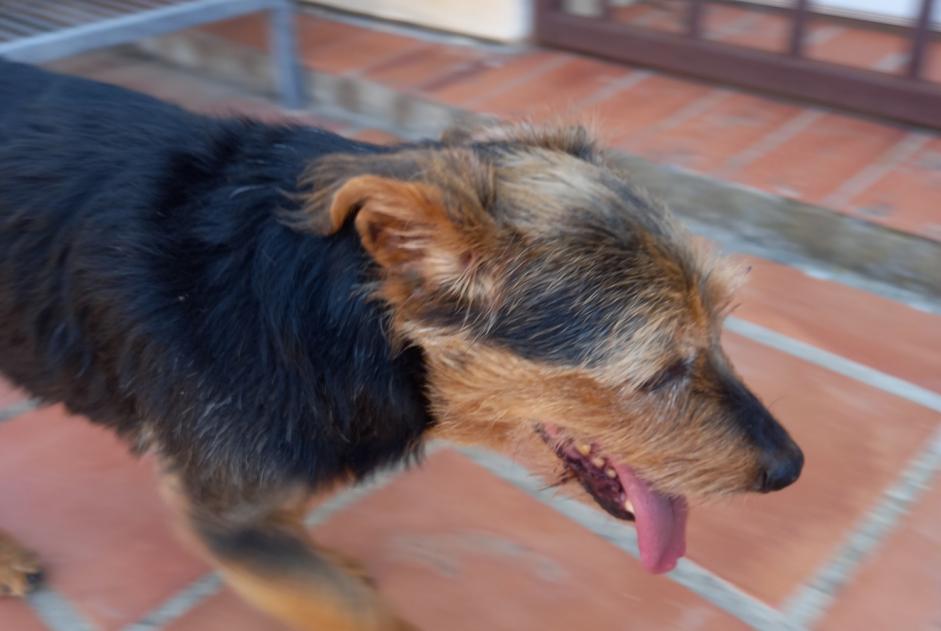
[660, 519]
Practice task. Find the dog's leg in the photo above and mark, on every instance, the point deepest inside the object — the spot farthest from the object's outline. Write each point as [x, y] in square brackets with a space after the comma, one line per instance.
[265, 554]
[19, 567]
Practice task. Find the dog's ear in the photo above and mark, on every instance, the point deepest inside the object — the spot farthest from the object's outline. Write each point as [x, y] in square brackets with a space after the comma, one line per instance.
[420, 216]
[404, 226]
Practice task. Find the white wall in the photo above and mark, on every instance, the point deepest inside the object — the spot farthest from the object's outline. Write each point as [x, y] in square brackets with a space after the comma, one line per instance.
[501, 20]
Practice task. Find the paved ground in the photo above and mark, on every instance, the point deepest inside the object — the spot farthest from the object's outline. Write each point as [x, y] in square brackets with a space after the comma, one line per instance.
[856, 377]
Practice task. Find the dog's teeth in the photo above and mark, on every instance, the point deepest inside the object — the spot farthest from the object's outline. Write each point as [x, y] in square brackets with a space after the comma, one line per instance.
[597, 461]
[584, 449]
[611, 473]
[628, 506]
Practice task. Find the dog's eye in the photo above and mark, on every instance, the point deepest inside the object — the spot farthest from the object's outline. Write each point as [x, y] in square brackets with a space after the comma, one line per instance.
[675, 371]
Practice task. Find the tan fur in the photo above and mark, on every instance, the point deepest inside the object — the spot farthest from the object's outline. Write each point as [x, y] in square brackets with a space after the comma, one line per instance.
[17, 565]
[321, 589]
[485, 230]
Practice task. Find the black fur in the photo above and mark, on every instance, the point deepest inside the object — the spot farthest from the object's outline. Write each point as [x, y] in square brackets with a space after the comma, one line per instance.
[146, 282]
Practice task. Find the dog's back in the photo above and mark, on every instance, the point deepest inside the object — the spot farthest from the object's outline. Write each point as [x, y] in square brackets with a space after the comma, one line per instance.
[145, 278]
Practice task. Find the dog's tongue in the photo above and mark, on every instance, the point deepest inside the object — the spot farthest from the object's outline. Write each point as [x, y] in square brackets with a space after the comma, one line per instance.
[660, 521]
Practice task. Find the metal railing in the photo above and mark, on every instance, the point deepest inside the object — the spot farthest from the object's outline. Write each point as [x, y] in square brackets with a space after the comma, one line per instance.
[590, 26]
[38, 31]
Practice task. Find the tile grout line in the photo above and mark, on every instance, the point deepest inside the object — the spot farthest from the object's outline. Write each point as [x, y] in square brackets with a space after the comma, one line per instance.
[56, 612]
[541, 69]
[15, 409]
[689, 574]
[873, 172]
[812, 600]
[701, 105]
[836, 363]
[179, 604]
[769, 142]
[210, 584]
[623, 84]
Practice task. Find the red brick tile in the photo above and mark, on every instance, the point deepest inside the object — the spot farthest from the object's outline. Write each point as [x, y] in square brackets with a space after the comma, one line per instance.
[753, 27]
[719, 20]
[455, 548]
[856, 441]
[706, 141]
[322, 44]
[670, 18]
[881, 333]
[863, 48]
[72, 492]
[249, 30]
[15, 615]
[356, 50]
[762, 31]
[907, 197]
[490, 77]
[422, 65]
[900, 586]
[554, 93]
[932, 67]
[10, 395]
[822, 156]
[377, 136]
[642, 105]
[315, 34]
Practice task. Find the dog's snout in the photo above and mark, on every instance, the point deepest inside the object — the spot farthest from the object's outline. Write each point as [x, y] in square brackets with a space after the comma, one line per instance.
[780, 468]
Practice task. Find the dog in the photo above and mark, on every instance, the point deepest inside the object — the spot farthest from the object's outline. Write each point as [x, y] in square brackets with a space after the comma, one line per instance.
[274, 310]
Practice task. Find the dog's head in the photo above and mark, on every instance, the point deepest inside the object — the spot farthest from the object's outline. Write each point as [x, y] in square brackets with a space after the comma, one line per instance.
[555, 302]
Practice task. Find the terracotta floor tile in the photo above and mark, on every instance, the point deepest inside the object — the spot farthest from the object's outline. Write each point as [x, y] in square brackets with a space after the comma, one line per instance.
[490, 77]
[900, 586]
[313, 33]
[762, 31]
[642, 105]
[863, 48]
[706, 141]
[9, 395]
[721, 20]
[72, 492]
[907, 197]
[932, 70]
[15, 615]
[423, 65]
[856, 441]
[376, 136]
[821, 157]
[881, 333]
[455, 548]
[356, 51]
[670, 18]
[250, 30]
[555, 93]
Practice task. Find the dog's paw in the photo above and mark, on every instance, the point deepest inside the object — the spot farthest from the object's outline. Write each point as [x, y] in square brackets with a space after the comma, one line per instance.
[20, 572]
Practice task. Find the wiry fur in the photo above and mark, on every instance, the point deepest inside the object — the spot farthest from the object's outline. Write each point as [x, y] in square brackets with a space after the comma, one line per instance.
[275, 310]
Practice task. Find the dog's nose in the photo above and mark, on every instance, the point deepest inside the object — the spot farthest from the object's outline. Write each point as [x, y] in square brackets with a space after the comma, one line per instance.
[780, 468]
